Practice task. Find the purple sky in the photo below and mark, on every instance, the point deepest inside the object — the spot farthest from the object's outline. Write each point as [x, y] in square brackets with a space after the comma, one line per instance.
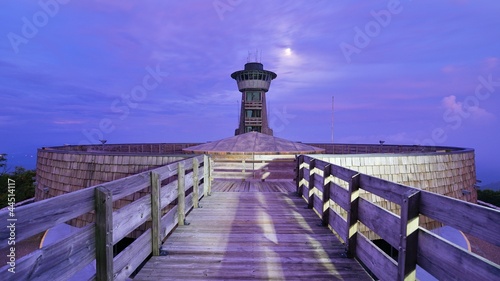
[407, 72]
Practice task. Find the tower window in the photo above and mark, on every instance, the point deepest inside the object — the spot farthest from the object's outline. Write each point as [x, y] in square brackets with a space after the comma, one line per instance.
[253, 113]
[253, 96]
[253, 129]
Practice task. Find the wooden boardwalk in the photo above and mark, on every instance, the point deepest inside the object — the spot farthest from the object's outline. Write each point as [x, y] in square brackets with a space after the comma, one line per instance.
[249, 234]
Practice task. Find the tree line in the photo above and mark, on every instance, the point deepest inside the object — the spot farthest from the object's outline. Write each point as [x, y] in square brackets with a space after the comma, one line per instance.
[24, 182]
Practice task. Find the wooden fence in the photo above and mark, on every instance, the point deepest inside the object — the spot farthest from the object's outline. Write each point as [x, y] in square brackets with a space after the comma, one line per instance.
[320, 183]
[164, 209]
[253, 166]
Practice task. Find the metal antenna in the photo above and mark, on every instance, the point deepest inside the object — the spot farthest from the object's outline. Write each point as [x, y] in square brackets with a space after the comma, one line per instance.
[332, 115]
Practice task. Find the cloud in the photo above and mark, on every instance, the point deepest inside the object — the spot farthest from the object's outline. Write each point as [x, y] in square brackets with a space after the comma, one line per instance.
[469, 108]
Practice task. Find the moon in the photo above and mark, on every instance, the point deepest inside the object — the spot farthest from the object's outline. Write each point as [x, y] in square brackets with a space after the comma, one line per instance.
[288, 52]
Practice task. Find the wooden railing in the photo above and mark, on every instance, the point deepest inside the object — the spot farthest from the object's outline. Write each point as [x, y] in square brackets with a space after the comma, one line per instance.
[339, 148]
[164, 209]
[320, 183]
[253, 166]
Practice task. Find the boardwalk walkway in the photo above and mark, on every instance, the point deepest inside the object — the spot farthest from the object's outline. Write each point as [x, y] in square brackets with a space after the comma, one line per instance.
[252, 231]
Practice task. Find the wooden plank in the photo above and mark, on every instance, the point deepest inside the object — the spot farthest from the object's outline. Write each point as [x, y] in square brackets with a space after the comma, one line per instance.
[104, 233]
[131, 216]
[437, 256]
[195, 183]
[381, 221]
[206, 170]
[128, 260]
[42, 215]
[318, 205]
[307, 174]
[166, 171]
[340, 196]
[320, 164]
[338, 224]
[53, 262]
[125, 186]
[181, 193]
[155, 213]
[407, 257]
[383, 188]
[169, 221]
[326, 196]
[319, 182]
[201, 175]
[352, 216]
[476, 220]
[342, 173]
[248, 236]
[300, 174]
[312, 175]
[375, 259]
[133, 256]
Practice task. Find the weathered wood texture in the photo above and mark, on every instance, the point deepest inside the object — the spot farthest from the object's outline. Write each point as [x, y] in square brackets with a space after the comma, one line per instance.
[261, 167]
[451, 173]
[349, 210]
[60, 171]
[252, 186]
[252, 236]
[62, 259]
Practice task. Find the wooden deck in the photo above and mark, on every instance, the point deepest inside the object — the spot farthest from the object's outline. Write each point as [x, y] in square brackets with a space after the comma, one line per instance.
[253, 186]
[261, 231]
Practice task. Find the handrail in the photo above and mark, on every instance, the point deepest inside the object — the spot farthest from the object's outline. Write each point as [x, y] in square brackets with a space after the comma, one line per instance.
[61, 260]
[320, 183]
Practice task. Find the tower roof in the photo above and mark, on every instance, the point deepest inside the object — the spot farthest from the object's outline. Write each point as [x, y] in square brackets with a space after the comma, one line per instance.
[254, 67]
[254, 142]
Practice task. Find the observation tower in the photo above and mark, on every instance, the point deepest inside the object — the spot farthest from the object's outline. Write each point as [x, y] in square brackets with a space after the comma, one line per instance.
[253, 83]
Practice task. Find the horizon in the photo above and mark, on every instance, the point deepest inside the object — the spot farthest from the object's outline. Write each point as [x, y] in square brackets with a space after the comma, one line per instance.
[403, 72]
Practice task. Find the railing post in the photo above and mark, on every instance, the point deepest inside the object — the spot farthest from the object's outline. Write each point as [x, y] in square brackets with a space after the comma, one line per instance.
[408, 243]
[103, 233]
[299, 174]
[210, 173]
[155, 213]
[310, 195]
[352, 217]
[326, 194]
[181, 194]
[206, 174]
[196, 197]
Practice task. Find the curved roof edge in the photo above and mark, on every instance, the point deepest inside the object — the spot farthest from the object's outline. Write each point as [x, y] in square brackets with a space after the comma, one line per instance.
[254, 142]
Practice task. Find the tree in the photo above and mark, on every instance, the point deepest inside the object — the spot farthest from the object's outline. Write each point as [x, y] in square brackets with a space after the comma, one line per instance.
[489, 196]
[3, 163]
[24, 187]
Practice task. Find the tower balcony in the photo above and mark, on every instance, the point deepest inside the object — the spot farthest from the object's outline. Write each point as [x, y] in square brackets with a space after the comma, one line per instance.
[253, 121]
[253, 105]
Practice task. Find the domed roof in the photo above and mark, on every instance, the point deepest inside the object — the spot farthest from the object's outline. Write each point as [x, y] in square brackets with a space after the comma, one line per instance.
[254, 142]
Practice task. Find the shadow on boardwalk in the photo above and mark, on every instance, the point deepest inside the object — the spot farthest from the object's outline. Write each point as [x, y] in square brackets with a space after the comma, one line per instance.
[253, 236]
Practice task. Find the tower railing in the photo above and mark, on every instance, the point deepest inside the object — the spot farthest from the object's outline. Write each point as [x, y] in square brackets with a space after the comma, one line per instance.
[335, 192]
